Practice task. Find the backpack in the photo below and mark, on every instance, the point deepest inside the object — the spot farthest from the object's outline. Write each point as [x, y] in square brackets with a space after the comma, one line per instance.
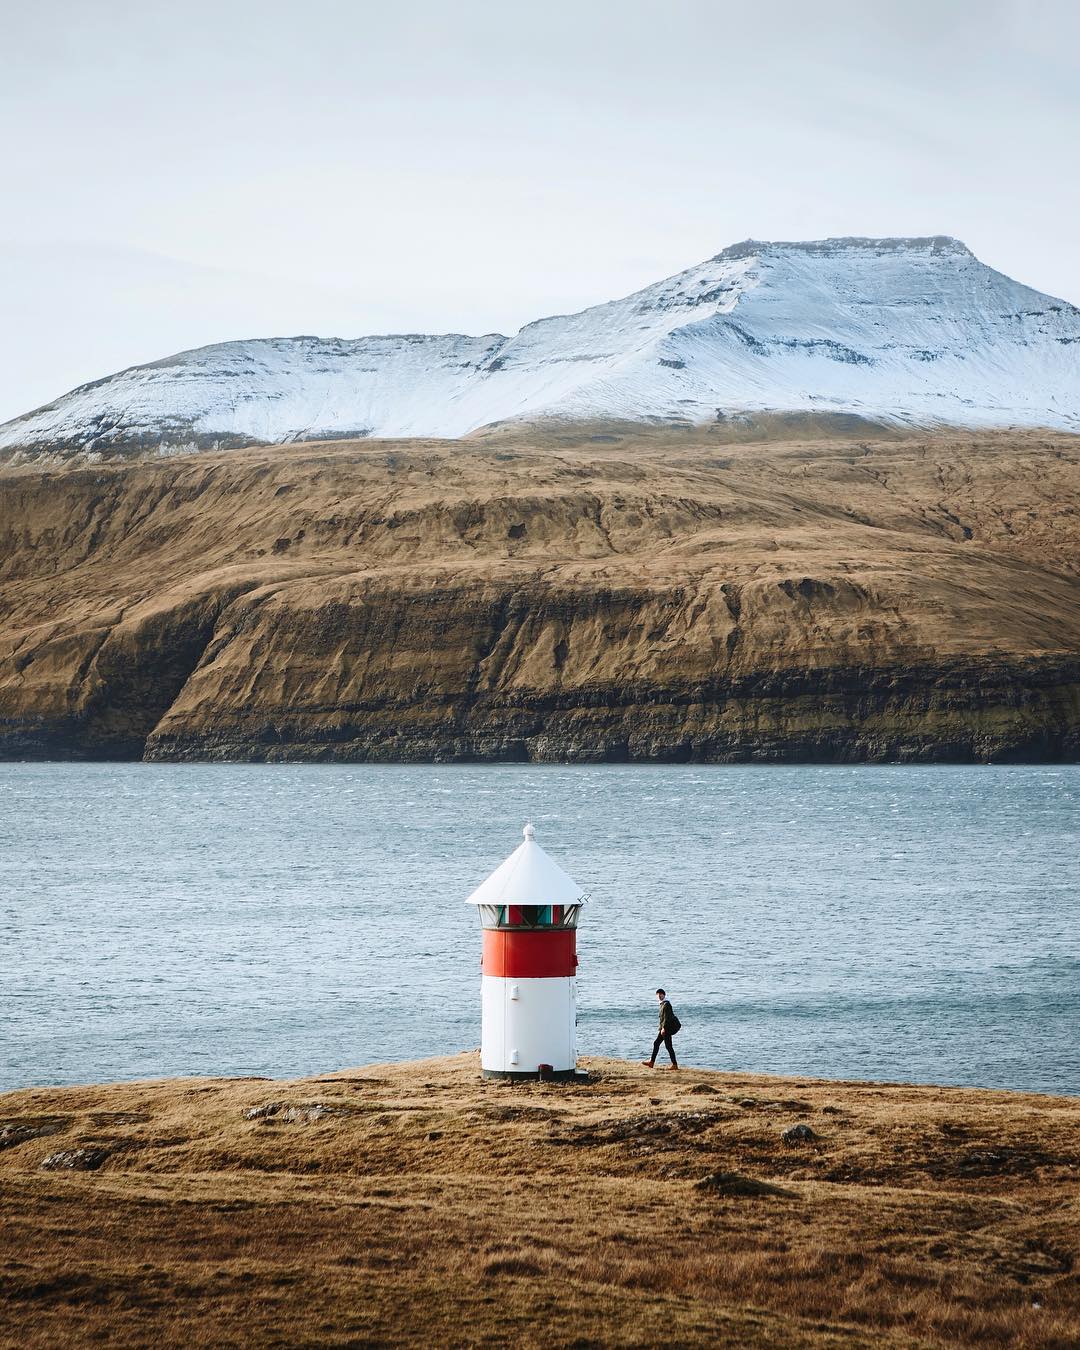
[673, 1023]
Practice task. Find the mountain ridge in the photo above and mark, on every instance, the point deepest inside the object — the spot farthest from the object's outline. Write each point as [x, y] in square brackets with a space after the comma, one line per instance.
[940, 243]
[906, 331]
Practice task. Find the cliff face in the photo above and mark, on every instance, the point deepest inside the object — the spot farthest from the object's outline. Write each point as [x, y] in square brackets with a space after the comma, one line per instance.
[629, 596]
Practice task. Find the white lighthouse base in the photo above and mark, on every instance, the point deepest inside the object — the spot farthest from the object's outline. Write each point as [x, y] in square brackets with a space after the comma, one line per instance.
[526, 1023]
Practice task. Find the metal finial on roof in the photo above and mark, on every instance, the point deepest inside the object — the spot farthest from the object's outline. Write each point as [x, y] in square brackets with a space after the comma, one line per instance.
[528, 877]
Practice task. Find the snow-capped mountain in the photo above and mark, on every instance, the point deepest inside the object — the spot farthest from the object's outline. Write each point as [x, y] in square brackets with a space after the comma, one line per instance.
[912, 331]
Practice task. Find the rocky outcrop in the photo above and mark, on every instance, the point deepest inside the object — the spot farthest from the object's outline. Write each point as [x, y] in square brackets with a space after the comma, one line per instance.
[75, 1160]
[635, 597]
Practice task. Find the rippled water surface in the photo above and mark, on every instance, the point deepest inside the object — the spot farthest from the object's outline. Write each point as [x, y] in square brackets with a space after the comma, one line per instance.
[917, 924]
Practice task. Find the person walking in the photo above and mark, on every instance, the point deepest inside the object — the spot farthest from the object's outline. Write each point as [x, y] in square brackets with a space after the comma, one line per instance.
[669, 1025]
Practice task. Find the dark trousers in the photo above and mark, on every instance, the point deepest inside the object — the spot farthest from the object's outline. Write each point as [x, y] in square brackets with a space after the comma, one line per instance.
[663, 1039]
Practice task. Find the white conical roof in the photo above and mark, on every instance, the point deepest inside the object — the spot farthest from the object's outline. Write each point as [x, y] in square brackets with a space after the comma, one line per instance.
[528, 877]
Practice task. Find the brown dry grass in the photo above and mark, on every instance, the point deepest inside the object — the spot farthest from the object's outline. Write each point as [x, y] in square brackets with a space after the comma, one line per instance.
[428, 1205]
[533, 594]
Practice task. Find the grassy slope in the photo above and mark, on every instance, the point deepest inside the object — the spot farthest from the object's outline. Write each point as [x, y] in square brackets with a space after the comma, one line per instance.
[428, 1205]
[507, 595]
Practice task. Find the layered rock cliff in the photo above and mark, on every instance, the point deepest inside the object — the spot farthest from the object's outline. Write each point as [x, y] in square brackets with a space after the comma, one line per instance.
[618, 595]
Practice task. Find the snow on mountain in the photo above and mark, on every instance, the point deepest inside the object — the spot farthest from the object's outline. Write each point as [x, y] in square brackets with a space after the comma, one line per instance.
[911, 331]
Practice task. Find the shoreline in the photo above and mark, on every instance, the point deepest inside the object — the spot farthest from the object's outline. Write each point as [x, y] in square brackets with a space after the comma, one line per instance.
[690, 764]
[688, 1072]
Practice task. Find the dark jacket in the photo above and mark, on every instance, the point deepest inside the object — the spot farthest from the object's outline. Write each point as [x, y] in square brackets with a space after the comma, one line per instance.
[667, 1017]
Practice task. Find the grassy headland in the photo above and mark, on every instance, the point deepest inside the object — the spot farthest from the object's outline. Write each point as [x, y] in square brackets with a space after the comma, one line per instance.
[418, 1203]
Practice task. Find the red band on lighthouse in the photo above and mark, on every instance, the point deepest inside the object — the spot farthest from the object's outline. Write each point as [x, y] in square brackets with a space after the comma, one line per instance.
[522, 954]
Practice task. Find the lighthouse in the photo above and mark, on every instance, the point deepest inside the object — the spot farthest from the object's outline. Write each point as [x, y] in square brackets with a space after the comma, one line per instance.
[529, 912]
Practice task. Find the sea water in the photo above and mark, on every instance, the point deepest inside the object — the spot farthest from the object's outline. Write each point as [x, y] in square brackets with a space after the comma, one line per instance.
[897, 923]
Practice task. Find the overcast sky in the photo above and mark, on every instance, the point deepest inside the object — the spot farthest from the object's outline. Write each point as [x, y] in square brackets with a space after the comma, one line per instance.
[175, 175]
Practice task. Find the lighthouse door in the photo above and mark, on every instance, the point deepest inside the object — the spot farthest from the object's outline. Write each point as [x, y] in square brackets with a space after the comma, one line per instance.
[538, 1025]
